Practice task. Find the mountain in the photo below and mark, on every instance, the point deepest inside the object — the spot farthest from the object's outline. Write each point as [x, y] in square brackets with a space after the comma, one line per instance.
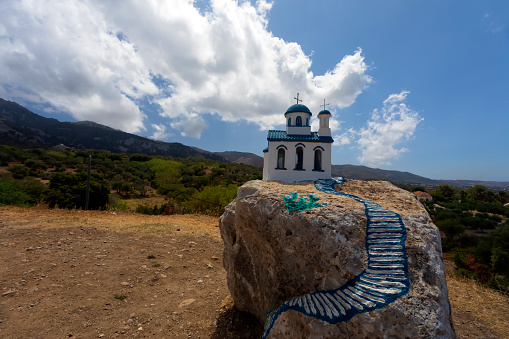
[366, 173]
[242, 157]
[23, 128]
[238, 157]
[406, 178]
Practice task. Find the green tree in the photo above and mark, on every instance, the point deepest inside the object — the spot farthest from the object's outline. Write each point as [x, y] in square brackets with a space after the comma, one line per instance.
[67, 190]
[167, 172]
[451, 227]
[444, 193]
[478, 193]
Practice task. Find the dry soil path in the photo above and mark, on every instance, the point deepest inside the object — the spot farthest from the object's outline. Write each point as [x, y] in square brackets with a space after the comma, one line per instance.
[106, 275]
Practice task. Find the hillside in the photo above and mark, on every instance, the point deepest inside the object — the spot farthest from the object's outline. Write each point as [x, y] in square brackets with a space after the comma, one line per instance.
[23, 128]
[242, 158]
[406, 178]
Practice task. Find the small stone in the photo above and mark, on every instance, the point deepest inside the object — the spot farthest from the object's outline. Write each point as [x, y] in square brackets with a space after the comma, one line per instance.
[348, 275]
[200, 281]
[166, 267]
[143, 251]
[132, 315]
[140, 328]
[186, 302]
[101, 335]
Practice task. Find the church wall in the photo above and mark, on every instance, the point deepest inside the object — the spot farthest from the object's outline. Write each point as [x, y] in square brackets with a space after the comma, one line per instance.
[304, 130]
[290, 174]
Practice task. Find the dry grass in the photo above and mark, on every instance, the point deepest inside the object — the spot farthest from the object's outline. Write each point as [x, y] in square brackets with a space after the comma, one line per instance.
[118, 221]
[478, 312]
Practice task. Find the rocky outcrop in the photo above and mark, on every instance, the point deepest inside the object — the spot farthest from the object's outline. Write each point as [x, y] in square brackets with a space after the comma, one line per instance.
[366, 265]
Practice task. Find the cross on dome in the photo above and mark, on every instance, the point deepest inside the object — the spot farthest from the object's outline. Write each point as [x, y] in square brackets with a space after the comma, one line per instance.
[297, 98]
[324, 104]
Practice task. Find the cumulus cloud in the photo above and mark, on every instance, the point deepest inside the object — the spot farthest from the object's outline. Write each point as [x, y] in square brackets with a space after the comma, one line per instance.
[98, 59]
[160, 132]
[334, 124]
[388, 127]
[345, 138]
[190, 126]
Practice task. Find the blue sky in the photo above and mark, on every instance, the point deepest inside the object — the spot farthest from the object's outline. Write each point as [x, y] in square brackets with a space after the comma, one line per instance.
[418, 86]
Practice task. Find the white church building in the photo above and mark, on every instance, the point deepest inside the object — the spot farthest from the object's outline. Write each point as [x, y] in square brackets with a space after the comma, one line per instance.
[298, 154]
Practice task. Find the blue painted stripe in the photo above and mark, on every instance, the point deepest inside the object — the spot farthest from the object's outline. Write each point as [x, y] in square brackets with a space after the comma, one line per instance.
[381, 283]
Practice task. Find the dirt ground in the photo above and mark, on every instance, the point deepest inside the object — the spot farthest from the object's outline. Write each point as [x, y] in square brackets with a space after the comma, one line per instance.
[91, 274]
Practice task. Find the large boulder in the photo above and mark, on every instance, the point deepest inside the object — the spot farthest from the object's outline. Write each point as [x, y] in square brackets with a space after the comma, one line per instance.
[273, 257]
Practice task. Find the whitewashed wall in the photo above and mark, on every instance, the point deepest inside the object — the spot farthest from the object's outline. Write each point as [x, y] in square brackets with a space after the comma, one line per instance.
[290, 174]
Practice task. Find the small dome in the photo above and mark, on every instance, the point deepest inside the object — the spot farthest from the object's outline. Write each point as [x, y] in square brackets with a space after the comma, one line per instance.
[323, 112]
[298, 108]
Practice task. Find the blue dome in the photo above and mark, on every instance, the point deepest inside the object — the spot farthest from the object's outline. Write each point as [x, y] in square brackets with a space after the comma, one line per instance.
[324, 112]
[298, 108]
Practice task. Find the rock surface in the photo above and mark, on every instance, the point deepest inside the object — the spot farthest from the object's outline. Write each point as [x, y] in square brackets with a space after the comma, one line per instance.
[272, 256]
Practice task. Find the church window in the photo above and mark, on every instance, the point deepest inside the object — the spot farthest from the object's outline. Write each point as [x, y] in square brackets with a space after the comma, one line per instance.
[281, 158]
[299, 158]
[307, 121]
[318, 160]
[299, 121]
[289, 121]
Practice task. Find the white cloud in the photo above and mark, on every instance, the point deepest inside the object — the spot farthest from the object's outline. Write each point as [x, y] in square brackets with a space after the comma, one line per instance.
[345, 138]
[96, 59]
[386, 130]
[190, 126]
[160, 132]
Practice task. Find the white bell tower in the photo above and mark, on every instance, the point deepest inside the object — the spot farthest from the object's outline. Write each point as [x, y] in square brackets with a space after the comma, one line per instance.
[324, 115]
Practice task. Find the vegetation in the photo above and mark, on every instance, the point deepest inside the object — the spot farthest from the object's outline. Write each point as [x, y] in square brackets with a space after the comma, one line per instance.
[190, 185]
[68, 190]
[476, 228]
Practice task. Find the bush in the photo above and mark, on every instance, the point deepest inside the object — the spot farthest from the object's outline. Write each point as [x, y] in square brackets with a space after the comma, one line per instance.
[156, 210]
[33, 187]
[18, 171]
[213, 199]
[115, 203]
[68, 190]
[139, 157]
[10, 194]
